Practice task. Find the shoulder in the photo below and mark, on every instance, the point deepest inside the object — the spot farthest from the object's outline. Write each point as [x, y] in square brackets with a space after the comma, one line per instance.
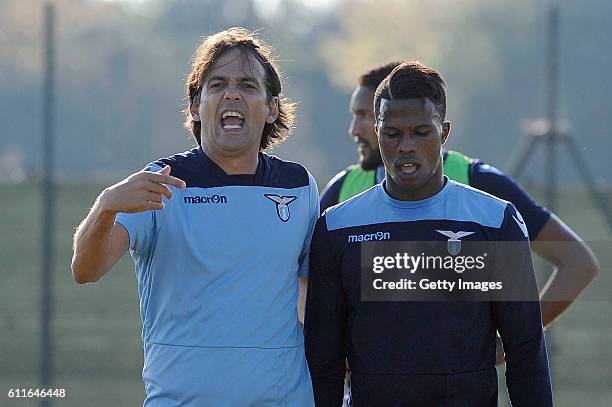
[337, 180]
[179, 158]
[477, 205]
[331, 193]
[491, 179]
[181, 164]
[494, 181]
[480, 169]
[285, 173]
[355, 208]
[478, 196]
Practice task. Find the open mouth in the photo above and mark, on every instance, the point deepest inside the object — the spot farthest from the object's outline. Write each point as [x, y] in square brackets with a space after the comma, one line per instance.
[232, 119]
[408, 167]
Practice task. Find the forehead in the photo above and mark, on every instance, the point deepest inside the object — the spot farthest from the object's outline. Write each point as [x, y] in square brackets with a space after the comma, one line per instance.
[416, 111]
[236, 63]
[362, 99]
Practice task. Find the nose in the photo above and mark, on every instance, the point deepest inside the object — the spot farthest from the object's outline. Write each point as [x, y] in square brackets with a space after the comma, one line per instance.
[353, 130]
[407, 144]
[232, 94]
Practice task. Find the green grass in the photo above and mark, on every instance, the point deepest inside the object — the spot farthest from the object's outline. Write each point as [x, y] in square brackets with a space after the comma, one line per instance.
[96, 328]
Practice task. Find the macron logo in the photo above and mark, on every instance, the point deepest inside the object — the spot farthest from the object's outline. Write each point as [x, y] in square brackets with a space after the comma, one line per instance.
[368, 237]
[214, 199]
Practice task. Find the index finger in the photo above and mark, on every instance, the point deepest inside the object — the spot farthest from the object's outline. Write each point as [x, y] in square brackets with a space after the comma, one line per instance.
[166, 179]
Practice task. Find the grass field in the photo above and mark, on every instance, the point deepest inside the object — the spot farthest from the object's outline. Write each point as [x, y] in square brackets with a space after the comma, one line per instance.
[96, 328]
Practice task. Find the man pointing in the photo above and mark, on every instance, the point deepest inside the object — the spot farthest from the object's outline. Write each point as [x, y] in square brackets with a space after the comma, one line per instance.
[220, 237]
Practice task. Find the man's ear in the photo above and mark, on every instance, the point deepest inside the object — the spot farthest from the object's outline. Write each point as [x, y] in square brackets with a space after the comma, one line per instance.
[194, 107]
[446, 127]
[273, 112]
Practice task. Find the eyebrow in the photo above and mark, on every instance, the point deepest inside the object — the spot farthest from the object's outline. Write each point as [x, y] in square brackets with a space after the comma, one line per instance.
[396, 127]
[225, 78]
[388, 127]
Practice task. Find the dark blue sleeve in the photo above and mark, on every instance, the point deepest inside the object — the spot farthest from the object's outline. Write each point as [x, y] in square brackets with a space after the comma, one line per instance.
[331, 192]
[325, 321]
[519, 321]
[491, 180]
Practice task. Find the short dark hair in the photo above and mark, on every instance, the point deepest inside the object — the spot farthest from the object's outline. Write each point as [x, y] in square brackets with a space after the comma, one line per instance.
[209, 52]
[372, 78]
[413, 80]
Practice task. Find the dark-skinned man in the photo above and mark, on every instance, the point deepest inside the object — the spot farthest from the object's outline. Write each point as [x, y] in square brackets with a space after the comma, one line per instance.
[418, 352]
[575, 265]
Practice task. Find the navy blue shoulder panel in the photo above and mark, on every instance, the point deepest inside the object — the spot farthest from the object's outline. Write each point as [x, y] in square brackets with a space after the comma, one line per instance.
[283, 174]
[181, 164]
[197, 170]
[331, 193]
[489, 179]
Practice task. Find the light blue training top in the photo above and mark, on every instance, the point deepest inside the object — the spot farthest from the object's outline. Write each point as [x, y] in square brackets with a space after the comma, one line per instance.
[217, 276]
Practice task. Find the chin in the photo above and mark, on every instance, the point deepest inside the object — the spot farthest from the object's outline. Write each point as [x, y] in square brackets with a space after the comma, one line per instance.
[369, 164]
[410, 185]
[233, 141]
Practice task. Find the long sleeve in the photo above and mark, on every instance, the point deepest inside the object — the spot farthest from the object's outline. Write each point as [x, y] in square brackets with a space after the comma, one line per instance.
[325, 321]
[518, 318]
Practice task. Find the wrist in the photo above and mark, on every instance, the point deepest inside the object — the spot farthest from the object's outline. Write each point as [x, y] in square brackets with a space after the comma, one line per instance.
[103, 205]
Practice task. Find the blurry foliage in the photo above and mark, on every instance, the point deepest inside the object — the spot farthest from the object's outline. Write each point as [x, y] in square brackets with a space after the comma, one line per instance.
[493, 57]
[121, 70]
[120, 79]
[438, 33]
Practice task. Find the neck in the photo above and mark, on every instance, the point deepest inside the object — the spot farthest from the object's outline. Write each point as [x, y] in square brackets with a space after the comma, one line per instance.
[233, 165]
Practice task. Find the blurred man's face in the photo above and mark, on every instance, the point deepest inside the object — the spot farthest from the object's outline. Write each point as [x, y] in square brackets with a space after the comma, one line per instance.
[233, 106]
[411, 134]
[362, 128]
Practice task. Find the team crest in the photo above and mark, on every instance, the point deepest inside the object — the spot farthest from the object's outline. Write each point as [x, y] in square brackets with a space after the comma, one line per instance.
[454, 244]
[282, 205]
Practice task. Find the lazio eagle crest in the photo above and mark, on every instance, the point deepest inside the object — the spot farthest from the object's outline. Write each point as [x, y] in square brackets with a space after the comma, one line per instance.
[454, 244]
[282, 205]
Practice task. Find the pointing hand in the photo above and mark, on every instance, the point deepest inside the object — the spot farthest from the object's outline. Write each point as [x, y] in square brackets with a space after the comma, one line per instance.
[142, 191]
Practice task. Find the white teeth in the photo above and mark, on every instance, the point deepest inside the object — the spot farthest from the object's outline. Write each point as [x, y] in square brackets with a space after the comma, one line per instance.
[232, 113]
[231, 126]
[408, 168]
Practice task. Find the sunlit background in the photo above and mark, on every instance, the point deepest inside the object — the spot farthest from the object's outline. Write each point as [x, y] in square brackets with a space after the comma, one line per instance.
[120, 74]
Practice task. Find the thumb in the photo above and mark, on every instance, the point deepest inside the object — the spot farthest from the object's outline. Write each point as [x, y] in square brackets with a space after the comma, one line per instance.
[165, 171]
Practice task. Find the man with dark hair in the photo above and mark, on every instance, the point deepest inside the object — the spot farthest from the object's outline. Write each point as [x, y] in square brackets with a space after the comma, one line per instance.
[420, 353]
[218, 305]
[574, 262]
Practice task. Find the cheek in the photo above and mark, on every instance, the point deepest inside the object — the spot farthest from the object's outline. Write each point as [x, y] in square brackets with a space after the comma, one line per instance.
[386, 148]
[259, 111]
[432, 150]
[208, 109]
[373, 139]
